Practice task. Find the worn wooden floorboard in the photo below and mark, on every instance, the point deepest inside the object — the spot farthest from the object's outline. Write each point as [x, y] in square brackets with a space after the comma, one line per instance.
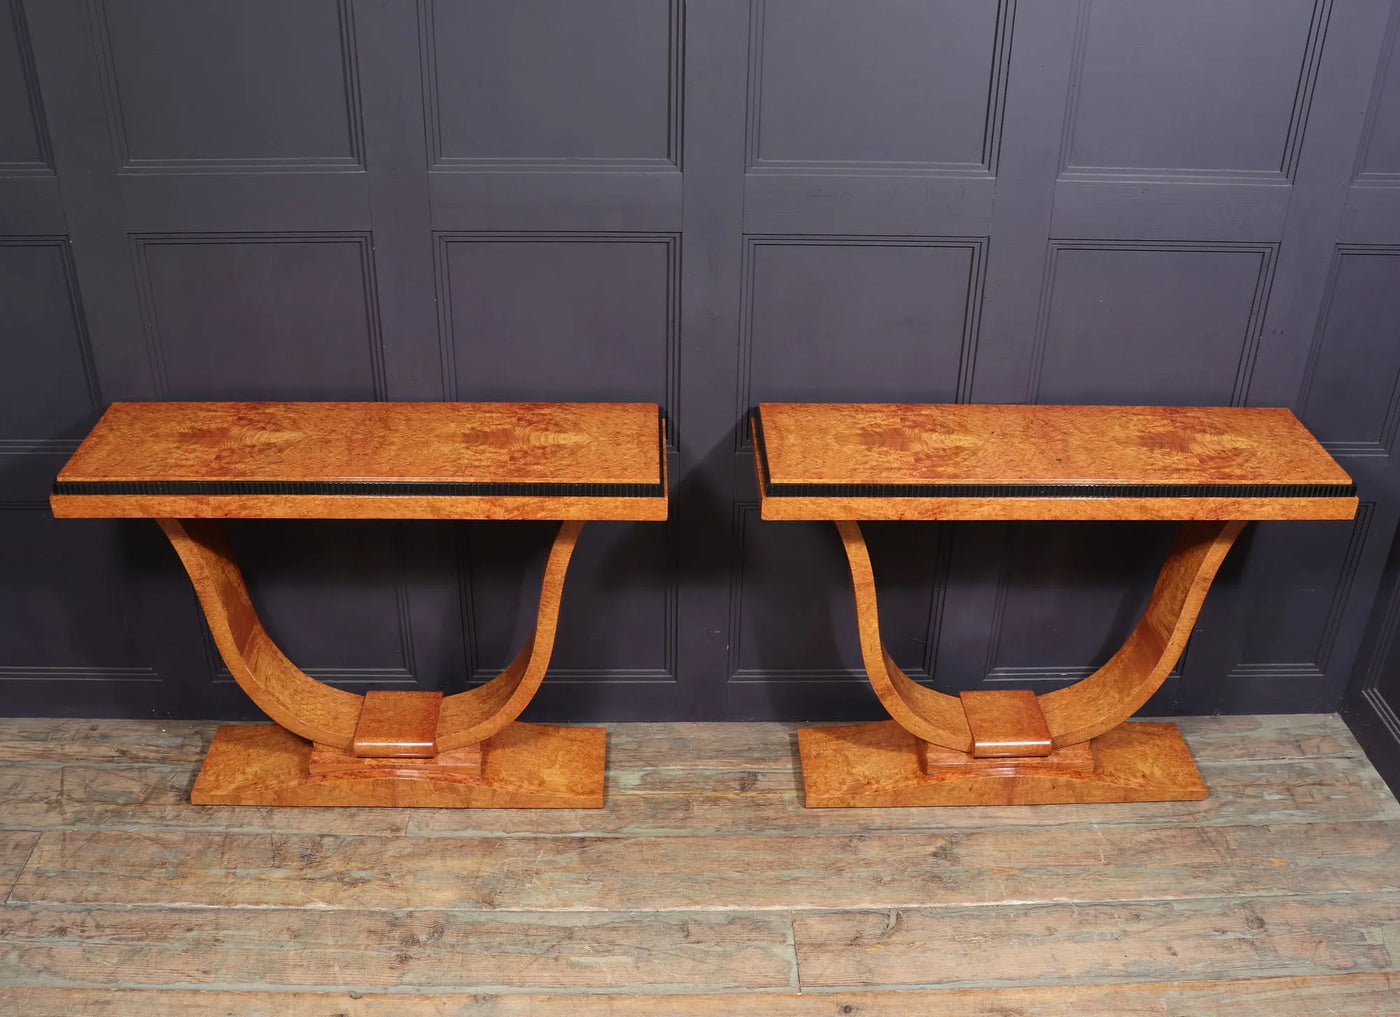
[1351, 995]
[670, 802]
[1058, 944]
[703, 887]
[875, 870]
[15, 849]
[746, 746]
[368, 950]
[462, 951]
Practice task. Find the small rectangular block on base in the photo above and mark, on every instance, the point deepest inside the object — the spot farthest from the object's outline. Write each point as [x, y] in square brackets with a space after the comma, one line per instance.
[525, 766]
[1006, 722]
[398, 725]
[879, 766]
[938, 761]
[324, 760]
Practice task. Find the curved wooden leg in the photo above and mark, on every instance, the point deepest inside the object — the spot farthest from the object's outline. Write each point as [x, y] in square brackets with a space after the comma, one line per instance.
[933, 716]
[280, 689]
[1071, 745]
[479, 713]
[385, 748]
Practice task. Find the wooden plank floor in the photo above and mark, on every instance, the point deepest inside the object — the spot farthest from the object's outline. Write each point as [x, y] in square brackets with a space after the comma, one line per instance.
[704, 887]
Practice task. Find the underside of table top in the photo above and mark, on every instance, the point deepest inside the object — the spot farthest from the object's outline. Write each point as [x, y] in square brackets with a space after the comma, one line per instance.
[924, 461]
[369, 460]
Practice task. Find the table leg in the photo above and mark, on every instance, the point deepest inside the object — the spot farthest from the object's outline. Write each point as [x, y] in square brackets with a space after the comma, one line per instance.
[330, 747]
[946, 750]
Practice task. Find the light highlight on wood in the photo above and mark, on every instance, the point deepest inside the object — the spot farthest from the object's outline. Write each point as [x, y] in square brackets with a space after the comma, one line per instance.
[1006, 723]
[398, 724]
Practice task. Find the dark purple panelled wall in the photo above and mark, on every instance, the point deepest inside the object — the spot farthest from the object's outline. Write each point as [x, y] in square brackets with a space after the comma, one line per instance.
[705, 205]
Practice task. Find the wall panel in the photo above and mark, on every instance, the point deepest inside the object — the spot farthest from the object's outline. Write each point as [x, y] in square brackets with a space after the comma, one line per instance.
[704, 205]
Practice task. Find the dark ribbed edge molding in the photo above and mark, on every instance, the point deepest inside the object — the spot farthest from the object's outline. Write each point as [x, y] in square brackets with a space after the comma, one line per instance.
[1058, 490]
[358, 489]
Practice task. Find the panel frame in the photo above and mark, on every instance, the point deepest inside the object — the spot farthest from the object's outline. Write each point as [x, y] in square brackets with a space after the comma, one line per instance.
[128, 164]
[140, 244]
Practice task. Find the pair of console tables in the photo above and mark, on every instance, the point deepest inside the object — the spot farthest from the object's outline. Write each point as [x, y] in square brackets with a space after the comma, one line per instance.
[188, 465]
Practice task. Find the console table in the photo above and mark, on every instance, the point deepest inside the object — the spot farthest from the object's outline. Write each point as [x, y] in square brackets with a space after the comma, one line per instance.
[1212, 468]
[187, 465]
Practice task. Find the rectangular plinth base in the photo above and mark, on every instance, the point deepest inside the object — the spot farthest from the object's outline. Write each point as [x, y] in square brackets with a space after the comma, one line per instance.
[878, 766]
[525, 766]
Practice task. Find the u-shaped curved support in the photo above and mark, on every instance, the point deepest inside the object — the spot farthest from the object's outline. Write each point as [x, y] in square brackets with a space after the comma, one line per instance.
[933, 716]
[1087, 708]
[323, 714]
[477, 714]
[280, 689]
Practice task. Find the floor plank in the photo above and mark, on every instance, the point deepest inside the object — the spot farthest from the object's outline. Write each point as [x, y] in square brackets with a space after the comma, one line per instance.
[683, 803]
[1281, 736]
[367, 950]
[15, 849]
[1351, 995]
[704, 886]
[1071, 944]
[873, 870]
[691, 803]
[84, 795]
[130, 742]
[762, 746]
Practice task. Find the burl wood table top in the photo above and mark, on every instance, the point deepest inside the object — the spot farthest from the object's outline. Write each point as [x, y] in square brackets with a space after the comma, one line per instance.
[876, 461]
[369, 460]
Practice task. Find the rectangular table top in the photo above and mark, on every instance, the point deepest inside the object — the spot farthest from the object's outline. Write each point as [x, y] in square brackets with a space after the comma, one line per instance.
[926, 461]
[370, 460]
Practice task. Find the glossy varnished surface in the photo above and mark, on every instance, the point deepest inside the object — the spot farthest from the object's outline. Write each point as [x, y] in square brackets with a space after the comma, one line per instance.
[370, 460]
[702, 888]
[877, 461]
[878, 766]
[964, 733]
[419, 727]
[526, 766]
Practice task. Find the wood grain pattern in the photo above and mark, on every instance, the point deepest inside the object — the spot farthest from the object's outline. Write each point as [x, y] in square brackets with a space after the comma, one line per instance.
[1275, 896]
[684, 951]
[179, 462]
[935, 759]
[686, 780]
[677, 802]
[278, 687]
[480, 713]
[1365, 994]
[397, 724]
[579, 450]
[524, 766]
[252, 506]
[15, 848]
[1069, 716]
[331, 718]
[1050, 509]
[1090, 707]
[1006, 722]
[841, 445]
[1154, 940]
[880, 766]
[926, 867]
[325, 760]
[1136, 671]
